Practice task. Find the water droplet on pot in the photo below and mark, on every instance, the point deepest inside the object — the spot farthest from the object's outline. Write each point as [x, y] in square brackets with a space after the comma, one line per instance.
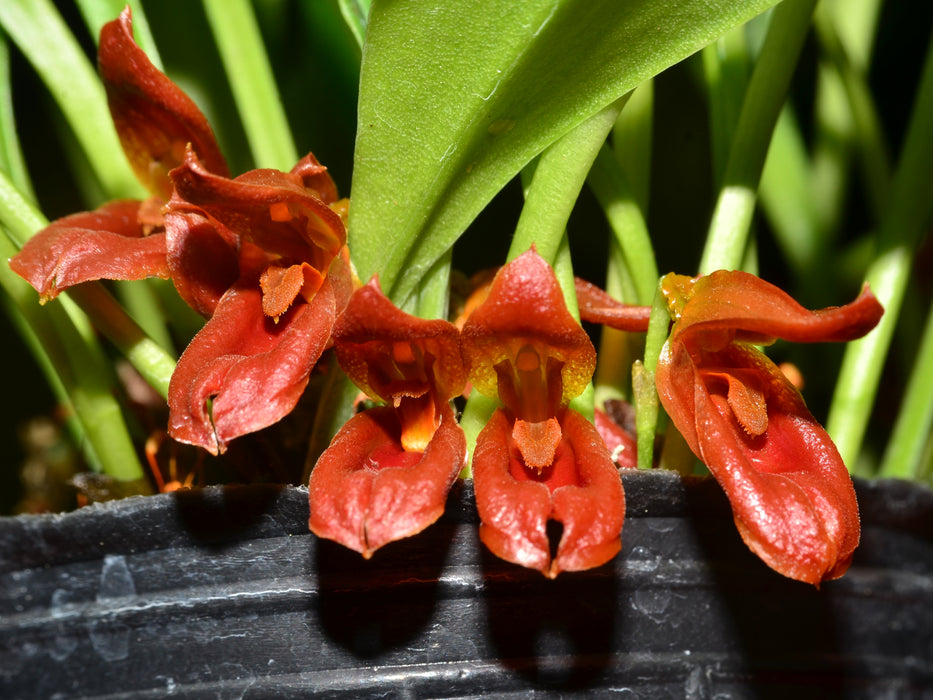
[110, 641]
[116, 581]
[652, 602]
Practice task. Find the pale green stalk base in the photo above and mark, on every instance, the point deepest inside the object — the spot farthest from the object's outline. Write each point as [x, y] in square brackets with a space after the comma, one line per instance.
[647, 407]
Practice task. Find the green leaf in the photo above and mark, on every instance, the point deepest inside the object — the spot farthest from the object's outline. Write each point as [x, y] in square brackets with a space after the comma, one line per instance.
[455, 98]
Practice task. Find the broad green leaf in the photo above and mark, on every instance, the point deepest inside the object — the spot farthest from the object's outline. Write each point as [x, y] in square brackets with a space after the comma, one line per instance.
[456, 97]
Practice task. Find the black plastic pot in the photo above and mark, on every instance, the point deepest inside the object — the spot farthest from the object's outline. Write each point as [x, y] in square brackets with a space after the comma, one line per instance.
[224, 593]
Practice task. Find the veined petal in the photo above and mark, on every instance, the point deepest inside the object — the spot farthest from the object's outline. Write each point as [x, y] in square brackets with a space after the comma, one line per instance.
[366, 490]
[791, 495]
[524, 309]
[107, 243]
[581, 490]
[154, 118]
[753, 310]
[270, 208]
[252, 368]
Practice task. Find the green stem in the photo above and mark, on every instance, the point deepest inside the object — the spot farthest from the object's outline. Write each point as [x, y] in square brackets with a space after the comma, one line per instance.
[20, 220]
[42, 35]
[767, 88]
[233, 23]
[647, 407]
[621, 181]
[82, 373]
[902, 458]
[476, 414]
[632, 141]
[11, 156]
[149, 358]
[909, 207]
[870, 143]
[614, 192]
[725, 68]
[558, 178]
[140, 300]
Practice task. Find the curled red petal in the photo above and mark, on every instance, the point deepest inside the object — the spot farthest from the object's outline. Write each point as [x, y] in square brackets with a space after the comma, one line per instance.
[525, 306]
[389, 353]
[107, 243]
[154, 118]
[751, 309]
[314, 176]
[581, 490]
[270, 208]
[597, 306]
[792, 497]
[366, 491]
[252, 368]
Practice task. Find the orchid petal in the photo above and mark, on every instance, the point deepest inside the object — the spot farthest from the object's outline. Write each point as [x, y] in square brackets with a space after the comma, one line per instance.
[253, 368]
[155, 120]
[269, 208]
[315, 177]
[376, 344]
[525, 307]
[597, 306]
[108, 243]
[757, 311]
[581, 490]
[366, 490]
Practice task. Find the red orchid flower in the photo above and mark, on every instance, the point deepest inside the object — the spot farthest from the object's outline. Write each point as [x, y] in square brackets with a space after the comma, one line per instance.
[124, 239]
[264, 256]
[791, 495]
[538, 460]
[387, 472]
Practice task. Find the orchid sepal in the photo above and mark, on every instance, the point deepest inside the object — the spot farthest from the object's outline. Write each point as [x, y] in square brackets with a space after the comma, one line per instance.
[581, 490]
[154, 118]
[107, 243]
[366, 490]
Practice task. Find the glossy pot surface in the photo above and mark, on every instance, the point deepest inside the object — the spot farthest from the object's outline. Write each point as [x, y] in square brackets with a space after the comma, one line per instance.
[224, 593]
